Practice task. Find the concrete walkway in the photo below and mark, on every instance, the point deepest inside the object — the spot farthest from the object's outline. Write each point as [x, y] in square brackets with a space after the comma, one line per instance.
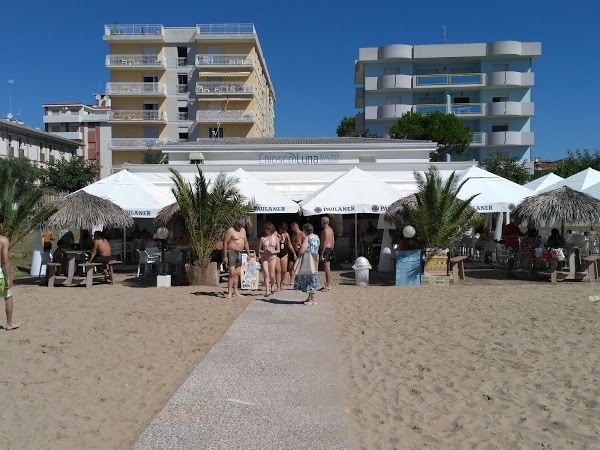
[271, 382]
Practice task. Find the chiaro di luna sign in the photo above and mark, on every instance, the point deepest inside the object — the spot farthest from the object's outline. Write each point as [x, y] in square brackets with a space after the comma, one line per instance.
[295, 158]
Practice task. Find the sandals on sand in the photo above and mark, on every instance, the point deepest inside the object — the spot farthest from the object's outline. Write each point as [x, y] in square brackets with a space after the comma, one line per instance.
[325, 289]
[309, 303]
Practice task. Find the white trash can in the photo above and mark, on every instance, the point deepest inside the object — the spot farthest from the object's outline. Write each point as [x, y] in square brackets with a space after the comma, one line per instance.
[361, 271]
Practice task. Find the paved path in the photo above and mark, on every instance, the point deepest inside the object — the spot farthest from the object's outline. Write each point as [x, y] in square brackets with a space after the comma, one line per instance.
[271, 382]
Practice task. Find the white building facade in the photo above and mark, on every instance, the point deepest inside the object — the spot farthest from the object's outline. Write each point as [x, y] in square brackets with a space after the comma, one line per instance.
[487, 85]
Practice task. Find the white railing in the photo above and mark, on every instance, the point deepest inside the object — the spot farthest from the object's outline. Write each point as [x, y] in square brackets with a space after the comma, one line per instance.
[223, 60]
[135, 88]
[223, 88]
[182, 61]
[133, 30]
[225, 116]
[135, 143]
[182, 88]
[135, 61]
[183, 116]
[137, 115]
[225, 28]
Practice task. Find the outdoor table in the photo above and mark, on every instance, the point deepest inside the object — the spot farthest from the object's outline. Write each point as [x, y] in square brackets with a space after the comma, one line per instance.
[71, 262]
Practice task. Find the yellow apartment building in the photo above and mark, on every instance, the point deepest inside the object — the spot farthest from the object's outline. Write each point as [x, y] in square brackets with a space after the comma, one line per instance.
[172, 84]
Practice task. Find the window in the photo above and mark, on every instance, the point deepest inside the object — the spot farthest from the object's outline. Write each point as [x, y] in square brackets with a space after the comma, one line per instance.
[182, 52]
[215, 132]
[499, 127]
[461, 100]
[183, 136]
[499, 67]
[499, 99]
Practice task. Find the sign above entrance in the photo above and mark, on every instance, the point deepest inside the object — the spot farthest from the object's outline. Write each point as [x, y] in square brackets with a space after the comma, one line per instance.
[290, 158]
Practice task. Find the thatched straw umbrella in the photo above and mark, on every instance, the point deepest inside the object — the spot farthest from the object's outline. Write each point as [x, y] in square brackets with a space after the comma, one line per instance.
[397, 209]
[86, 211]
[168, 214]
[564, 205]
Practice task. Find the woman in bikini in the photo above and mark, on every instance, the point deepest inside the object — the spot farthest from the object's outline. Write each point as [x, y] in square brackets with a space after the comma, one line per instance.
[268, 250]
[285, 249]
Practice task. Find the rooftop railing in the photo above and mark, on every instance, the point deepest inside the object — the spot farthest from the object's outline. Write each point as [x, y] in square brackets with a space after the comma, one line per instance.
[223, 60]
[143, 29]
[225, 116]
[135, 61]
[135, 88]
[226, 28]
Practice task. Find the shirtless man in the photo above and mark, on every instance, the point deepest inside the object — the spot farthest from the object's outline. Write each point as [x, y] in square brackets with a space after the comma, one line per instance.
[234, 243]
[297, 239]
[6, 279]
[326, 251]
[101, 251]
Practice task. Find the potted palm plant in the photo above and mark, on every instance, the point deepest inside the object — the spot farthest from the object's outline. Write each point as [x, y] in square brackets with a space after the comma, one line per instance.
[207, 210]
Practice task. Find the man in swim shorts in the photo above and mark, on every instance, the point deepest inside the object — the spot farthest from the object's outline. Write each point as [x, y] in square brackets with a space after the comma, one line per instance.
[6, 279]
[234, 243]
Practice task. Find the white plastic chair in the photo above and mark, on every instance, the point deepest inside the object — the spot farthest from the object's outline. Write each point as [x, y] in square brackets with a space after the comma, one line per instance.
[147, 261]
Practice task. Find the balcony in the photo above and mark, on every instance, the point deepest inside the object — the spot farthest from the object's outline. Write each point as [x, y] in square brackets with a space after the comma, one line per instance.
[136, 116]
[388, 82]
[506, 138]
[182, 89]
[225, 116]
[227, 60]
[460, 109]
[232, 30]
[136, 89]
[509, 78]
[385, 112]
[449, 79]
[224, 89]
[508, 109]
[75, 135]
[183, 117]
[62, 118]
[141, 32]
[134, 143]
[135, 61]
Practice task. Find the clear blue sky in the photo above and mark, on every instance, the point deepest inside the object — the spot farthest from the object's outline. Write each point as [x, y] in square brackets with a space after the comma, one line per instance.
[54, 51]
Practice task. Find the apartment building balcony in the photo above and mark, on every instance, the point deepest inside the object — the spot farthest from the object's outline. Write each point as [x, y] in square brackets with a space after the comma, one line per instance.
[233, 116]
[136, 89]
[134, 143]
[510, 78]
[386, 111]
[229, 31]
[184, 117]
[182, 89]
[224, 89]
[224, 61]
[509, 138]
[388, 82]
[74, 135]
[136, 32]
[459, 109]
[507, 109]
[136, 116]
[449, 79]
[133, 62]
[62, 118]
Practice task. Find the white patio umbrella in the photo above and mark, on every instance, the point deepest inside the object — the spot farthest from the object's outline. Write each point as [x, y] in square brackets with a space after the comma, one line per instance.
[543, 182]
[267, 199]
[578, 182]
[354, 192]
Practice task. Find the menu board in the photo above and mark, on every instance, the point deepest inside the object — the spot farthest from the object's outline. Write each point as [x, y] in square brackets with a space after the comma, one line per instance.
[250, 272]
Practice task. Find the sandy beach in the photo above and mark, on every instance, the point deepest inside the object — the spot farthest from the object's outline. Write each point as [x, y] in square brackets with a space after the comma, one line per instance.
[486, 364]
[506, 365]
[90, 368]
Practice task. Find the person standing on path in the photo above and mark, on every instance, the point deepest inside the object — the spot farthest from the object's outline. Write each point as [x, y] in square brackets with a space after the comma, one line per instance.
[235, 242]
[6, 279]
[326, 251]
[309, 282]
[297, 239]
[268, 250]
[286, 249]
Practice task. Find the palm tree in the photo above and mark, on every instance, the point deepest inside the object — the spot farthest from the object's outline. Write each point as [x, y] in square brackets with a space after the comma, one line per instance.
[22, 211]
[437, 214]
[208, 209]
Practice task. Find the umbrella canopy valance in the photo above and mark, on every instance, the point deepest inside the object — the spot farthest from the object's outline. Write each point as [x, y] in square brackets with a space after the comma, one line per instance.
[564, 205]
[87, 211]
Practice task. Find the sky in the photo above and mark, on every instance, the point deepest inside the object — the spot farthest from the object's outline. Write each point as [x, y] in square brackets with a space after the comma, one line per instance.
[54, 52]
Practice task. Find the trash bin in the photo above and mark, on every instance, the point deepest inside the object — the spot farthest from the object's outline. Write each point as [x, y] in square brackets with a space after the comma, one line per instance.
[361, 271]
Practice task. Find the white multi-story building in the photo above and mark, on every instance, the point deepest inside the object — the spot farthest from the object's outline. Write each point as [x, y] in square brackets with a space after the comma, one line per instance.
[86, 124]
[487, 85]
[17, 140]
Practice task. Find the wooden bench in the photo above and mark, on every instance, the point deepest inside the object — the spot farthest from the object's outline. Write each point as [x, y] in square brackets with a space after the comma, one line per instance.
[591, 266]
[89, 272]
[589, 272]
[51, 269]
[457, 265]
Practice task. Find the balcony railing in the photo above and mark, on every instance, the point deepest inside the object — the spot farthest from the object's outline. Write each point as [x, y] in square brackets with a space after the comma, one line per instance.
[223, 88]
[134, 61]
[182, 61]
[224, 60]
[133, 30]
[137, 115]
[225, 116]
[183, 117]
[182, 88]
[449, 79]
[135, 88]
[225, 28]
[477, 138]
[457, 108]
[133, 143]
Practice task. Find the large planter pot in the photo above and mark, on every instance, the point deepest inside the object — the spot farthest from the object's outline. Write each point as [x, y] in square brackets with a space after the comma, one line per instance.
[203, 275]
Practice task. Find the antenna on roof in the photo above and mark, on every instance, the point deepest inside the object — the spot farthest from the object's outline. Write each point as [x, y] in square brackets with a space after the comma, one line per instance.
[445, 34]
[10, 85]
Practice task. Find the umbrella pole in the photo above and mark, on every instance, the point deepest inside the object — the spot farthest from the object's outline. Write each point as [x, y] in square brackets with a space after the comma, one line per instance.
[355, 236]
[562, 228]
